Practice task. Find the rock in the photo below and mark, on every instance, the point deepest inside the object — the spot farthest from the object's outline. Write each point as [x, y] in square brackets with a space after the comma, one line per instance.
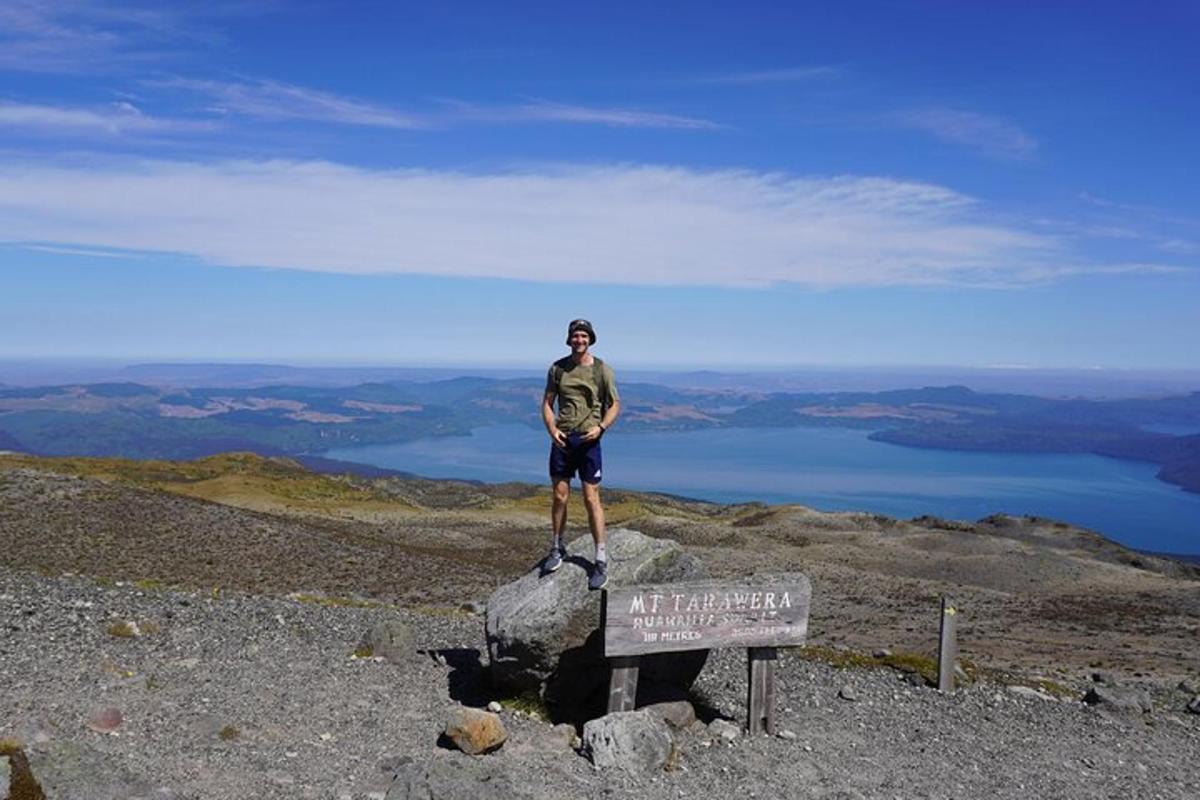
[1194, 705]
[433, 779]
[105, 720]
[882, 652]
[1119, 698]
[70, 769]
[1188, 687]
[724, 729]
[389, 639]
[550, 739]
[787, 734]
[914, 679]
[848, 693]
[543, 630]
[473, 731]
[34, 730]
[635, 742]
[1030, 692]
[677, 713]
[1103, 677]
[495, 707]
[19, 781]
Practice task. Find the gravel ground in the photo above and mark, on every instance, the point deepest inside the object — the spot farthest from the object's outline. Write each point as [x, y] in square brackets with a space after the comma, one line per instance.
[244, 696]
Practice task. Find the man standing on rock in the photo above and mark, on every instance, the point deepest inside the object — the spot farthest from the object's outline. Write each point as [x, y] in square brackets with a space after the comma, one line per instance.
[588, 404]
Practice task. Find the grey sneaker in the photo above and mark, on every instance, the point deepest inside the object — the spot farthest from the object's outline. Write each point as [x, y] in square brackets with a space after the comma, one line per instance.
[599, 577]
[553, 561]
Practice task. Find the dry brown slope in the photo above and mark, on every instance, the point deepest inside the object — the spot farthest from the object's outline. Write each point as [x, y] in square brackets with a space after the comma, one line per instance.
[1035, 594]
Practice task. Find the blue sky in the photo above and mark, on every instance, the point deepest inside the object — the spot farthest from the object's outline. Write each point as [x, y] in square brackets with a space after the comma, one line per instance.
[759, 184]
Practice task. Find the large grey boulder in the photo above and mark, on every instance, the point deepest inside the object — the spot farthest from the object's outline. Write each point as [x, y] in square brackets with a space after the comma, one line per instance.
[543, 631]
[636, 742]
[1120, 698]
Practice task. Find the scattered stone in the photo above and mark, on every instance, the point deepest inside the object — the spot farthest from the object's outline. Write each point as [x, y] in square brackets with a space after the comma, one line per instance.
[914, 679]
[439, 780]
[882, 652]
[1194, 705]
[19, 782]
[390, 640]
[848, 693]
[724, 729]
[33, 730]
[550, 739]
[635, 742]
[1187, 687]
[1029, 692]
[473, 731]
[1103, 677]
[787, 734]
[495, 707]
[960, 675]
[679, 714]
[105, 720]
[543, 630]
[1119, 698]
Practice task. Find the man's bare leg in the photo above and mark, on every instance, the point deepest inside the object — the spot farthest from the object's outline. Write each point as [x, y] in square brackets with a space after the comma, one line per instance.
[595, 512]
[558, 524]
[558, 509]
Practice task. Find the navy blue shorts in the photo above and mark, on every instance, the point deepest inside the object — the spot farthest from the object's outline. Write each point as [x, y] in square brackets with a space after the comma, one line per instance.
[579, 456]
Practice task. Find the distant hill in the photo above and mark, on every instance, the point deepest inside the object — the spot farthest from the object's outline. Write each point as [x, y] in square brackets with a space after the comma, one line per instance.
[138, 420]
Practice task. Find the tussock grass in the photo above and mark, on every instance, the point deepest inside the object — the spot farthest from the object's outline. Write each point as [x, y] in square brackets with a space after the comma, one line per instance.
[529, 703]
[122, 629]
[923, 665]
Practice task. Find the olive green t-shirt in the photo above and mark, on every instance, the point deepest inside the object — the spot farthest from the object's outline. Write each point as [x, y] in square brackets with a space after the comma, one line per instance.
[579, 400]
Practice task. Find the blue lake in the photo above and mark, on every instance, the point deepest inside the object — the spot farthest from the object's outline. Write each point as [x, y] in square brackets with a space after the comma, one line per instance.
[835, 469]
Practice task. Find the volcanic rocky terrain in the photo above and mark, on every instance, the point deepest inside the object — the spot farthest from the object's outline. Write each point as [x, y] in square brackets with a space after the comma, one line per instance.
[196, 629]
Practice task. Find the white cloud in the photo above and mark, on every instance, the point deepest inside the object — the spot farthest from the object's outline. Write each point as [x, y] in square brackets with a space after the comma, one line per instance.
[621, 224]
[786, 75]
[265, 99]
[546, 111]
[1182, 246]
[72, 36]
[990, 135]
[118, 118]
[273, 100]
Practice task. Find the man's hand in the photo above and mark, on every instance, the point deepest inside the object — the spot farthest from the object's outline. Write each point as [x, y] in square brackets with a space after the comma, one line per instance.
[593, 434]
[560, 438]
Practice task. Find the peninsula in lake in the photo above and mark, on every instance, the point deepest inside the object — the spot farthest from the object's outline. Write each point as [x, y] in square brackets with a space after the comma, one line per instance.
[167, 420]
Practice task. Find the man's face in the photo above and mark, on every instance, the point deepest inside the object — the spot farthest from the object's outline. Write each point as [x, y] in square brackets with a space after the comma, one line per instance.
[579, 341]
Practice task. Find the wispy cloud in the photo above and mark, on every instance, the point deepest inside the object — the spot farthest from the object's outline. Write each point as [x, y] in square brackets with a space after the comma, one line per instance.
[71, 36]
[546, 111]
[273, 100]
[1181, 246]
[786, 75]
[990, 135]
[623, 224]
[265, 99]
[79, 251]
[117, 118]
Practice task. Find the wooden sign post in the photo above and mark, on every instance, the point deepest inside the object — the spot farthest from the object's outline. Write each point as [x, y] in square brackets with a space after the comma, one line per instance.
[759, 613]
[947, 645]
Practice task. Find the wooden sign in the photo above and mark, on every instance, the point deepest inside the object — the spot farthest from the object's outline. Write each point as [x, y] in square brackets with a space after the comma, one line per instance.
[771, 611]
